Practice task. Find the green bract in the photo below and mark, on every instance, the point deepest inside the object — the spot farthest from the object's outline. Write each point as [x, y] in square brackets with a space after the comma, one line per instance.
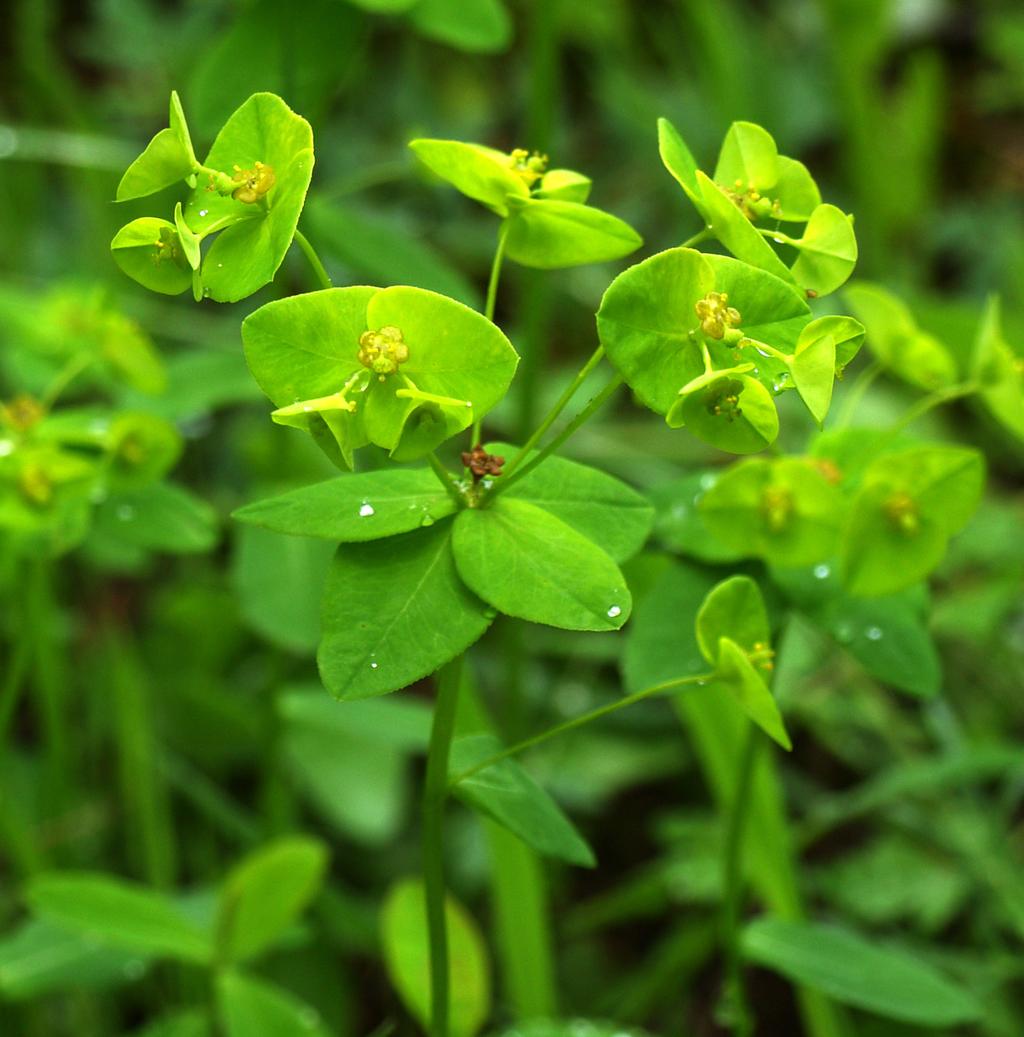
[999, 372]
[548, 225]
[909, 504]
[400, 367]
[753, 184]
[249, 192]
[698, 339]
[733, 636]
[895, 339]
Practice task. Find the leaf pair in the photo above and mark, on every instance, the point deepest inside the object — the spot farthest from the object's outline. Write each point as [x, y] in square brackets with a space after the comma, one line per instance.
[397, 609]
[399, 367]
[754, 184]
[248, 193]
[548, 224]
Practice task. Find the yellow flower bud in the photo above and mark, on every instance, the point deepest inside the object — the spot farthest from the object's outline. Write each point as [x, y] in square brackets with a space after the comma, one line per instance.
[253, 183]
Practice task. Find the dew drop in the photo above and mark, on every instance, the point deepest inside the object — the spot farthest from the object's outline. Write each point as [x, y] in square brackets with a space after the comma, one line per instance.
[125, 512]
[365, 510]
[6, 447]
[204, 212]
[844, 633]
[373, 666]
[873, 633]
[778, 241]
[427, 519]
[822, 572]
[614, 611]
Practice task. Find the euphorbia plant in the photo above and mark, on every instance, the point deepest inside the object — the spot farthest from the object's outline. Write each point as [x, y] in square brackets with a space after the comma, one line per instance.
[429, 555]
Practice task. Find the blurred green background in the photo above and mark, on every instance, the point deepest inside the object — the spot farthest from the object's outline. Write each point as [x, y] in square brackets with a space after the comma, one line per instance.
[190, 723]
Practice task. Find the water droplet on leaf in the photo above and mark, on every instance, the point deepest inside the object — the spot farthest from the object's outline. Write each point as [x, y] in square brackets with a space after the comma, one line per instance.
[366, 510]
[822, 572]
[614, 611]
[873, 633]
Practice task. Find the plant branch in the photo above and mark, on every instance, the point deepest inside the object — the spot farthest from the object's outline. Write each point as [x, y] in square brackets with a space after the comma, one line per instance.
[936, 399]
[696, 239]
[319, 270]
[492, 301]
[435, 792]
[570, 725]
[447, 479]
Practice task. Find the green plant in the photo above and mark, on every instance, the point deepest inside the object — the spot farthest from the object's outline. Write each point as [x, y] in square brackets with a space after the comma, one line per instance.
[430, 555]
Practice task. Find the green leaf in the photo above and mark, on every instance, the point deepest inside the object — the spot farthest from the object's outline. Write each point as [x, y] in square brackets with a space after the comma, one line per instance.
[246, 254]
[730, 412]
[190, 1023]
[507, 794]
[679, 522]
[477, 26]
[159, 517]
[845, 332]
[999, 370]
[164, 162]
[565, 185]
[527, 563]
[909, 504]
[859, 972]
[364, 506]
[266, 893]
[141, 449]
[738, 675]
[176, 121]
[39, 957]
[814, 372]
[481, 173]
[735, 231]
[248, 1006]
[735, 609]
[749, 156]
[795, 193]
[828, 251]
[676, 158]
[278, 582]
[895, 339]
[783, 510]
[117, 913]
[549, 234]
[407, 959]
[604, 509]
[394, 611]
[149, 251]
[190, 245]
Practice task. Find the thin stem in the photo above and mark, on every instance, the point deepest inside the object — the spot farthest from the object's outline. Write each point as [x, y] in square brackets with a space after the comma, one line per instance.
[581, 419]
[552, 416]
[64, 377]
[492, 299]
[570, 725]
[740, 1018]
[936, 399]
[435, 792]
[447, 479]
[696, 239]
[319, 271]
[864, 382]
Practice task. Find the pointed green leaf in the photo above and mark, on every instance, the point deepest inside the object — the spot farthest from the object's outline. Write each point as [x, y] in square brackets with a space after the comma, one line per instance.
[604, 509]
[814, 373]
[508, 795]
[828, 251]
[265, 893]
[481, 173]
[189, 242]
[477, 26]
[164, 162]
[407, 958]
[527, 563]
[363, 506]
[119, 913]
[735, 609]
[549, 234]
[176, 121]
[999, 370]
[564, 184]
[159, 517]
[676, 158]
[742, 679]
[845, 332]
[749, 156]
[859, 972]
[394, 611]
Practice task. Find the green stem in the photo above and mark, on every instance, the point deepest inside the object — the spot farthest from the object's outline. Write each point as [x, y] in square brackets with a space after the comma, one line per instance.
[14, 681]
[696, 239]
[64, 377]
[864, 382]
[936, 399]
[435, 792]
[492, 297]
[740, 1018]
[447, 480]
[570, 390]
[570, 725]
[319, 271]
[581, 419]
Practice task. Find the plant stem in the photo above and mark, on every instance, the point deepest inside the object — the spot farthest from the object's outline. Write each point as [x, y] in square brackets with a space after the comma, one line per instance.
[581, 419]
[585, 718]
[696, 239]
[447, 479]
[64, 377]
[741, 1021]
[492, 299]
[319, 271]
[864, 382]
[435, 792]
[936, 399]
[552, 416]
